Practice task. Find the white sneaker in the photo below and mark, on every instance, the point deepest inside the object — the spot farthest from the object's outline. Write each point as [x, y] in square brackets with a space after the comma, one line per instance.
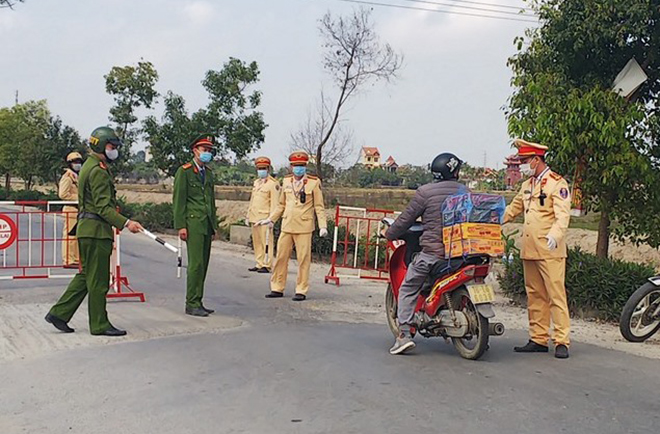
[402, 344]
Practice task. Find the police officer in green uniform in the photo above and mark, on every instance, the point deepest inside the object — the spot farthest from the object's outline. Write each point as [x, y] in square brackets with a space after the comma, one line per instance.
[196, 219]
[97, 206]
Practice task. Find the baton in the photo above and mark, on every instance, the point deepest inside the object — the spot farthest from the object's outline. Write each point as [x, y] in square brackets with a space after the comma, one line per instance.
[159, 240]
[179, 261]
[267, 242]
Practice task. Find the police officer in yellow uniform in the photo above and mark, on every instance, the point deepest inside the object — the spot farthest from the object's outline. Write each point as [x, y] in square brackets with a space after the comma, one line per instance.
[300, 201]
[263, 202]
[68, 191]
[545, 202]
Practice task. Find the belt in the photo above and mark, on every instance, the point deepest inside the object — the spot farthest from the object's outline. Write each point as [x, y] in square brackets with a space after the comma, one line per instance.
[89, 215]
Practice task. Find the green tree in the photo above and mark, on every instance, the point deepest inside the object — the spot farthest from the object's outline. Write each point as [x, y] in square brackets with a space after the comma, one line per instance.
[563, 75]
[34, 144]
[31, 122]
[60, 140]
[231, 115]
[132, 87]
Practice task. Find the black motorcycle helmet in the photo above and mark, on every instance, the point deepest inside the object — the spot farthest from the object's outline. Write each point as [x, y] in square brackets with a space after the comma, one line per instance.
[446, 166]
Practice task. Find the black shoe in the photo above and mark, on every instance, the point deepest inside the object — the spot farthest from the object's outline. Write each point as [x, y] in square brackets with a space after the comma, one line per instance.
[196, 311]
[531, 347]
[59, 324]
[561, 351]
[263, 270]
[299, 297]
[253, 269]
[112, 331]
[275, 294]
[207, 310]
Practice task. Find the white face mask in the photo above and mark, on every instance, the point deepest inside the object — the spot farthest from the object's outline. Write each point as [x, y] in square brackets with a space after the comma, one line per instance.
[112, 154]
[76, 167]
[526, 169]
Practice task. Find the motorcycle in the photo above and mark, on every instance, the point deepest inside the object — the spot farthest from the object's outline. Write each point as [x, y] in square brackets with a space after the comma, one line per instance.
[454, 303]
[640, 318]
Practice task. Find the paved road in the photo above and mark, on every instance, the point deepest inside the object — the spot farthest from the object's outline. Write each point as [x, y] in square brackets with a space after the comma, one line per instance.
[278, 367]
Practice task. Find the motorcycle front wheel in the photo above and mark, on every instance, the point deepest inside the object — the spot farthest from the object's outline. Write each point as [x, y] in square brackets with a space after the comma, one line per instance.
[637, 322]
[391, 310]
[475, 344]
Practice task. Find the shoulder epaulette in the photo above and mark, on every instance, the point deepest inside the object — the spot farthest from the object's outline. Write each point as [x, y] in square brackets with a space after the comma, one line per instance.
[290, 175]
[555, 176]
[313, 177]
[187, 166]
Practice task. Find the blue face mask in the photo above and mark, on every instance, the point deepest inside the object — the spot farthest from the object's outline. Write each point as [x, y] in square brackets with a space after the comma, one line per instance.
[205, 157]
[299, 170]
[262, 173]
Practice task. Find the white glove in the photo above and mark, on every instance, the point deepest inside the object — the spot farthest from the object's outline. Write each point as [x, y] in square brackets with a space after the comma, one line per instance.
[264, 222]
[247, 222]
[323, 232]
[552, 243]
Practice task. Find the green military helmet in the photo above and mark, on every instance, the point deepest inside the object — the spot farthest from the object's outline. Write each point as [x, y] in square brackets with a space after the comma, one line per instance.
[101, 136]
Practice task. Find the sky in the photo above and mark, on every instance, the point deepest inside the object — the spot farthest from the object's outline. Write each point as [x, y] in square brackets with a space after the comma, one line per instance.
[448, 97]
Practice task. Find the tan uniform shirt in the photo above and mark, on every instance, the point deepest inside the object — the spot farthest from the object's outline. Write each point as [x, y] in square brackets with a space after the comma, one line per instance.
[68, 187]
[549, 219]
[264, 199]
[297, 217]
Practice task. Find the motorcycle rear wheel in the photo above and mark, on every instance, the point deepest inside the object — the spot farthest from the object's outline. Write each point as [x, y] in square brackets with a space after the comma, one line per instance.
[473, 347]
[636, 323]
[391, 304]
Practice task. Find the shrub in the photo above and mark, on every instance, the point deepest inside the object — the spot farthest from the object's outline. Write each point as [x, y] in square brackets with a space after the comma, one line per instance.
[595, 287]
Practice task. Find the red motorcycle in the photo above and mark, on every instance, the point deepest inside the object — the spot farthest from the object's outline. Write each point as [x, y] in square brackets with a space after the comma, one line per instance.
[454, 303]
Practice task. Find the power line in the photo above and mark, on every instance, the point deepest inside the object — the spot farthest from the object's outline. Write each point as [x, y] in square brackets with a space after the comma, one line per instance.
[497, 5]
[469, 14]
[472, 8]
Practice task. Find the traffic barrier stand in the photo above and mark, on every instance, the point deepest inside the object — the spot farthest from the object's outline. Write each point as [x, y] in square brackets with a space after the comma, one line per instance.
[356, 246]
[32, 242]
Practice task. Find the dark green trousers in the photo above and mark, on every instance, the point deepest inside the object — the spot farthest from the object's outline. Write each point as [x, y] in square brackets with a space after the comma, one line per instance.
[199, 252]
[94, 279]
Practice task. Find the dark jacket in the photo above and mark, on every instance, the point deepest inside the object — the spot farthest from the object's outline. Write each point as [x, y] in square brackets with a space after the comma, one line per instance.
[427, 203]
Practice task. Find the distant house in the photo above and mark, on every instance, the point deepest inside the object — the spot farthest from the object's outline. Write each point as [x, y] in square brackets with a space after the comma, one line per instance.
[370, 157]
[390, 164]
[513, 175]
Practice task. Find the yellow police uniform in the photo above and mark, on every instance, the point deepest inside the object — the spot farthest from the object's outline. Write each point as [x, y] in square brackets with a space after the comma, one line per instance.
[68, 190]
[545, 203]
[298, 224]
[263, 202]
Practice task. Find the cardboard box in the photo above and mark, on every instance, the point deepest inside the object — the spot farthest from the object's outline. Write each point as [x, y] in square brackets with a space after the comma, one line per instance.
[476, 247]
[471, 231]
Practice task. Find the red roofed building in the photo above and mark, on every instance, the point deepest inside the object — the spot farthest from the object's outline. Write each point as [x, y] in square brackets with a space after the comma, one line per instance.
[370, 157]
[513, 175]
[390, 164]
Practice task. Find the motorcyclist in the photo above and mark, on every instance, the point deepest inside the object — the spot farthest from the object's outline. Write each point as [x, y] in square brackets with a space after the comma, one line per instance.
[426, 204]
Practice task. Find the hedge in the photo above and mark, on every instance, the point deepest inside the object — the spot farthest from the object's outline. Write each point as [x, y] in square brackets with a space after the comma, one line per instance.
[596, 288]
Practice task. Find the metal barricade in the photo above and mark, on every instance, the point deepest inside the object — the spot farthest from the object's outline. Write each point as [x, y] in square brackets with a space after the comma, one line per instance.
[32, 244]
[356, 245]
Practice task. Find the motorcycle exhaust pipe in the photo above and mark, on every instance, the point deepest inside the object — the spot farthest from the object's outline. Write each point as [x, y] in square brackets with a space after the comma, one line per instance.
[496, 329]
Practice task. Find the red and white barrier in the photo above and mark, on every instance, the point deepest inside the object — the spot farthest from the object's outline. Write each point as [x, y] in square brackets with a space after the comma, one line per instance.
[358, 250]
[31, 240]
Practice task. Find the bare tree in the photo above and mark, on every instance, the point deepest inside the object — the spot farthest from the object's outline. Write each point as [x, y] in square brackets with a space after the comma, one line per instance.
[354, 56]
[312, 132]
[9, 3]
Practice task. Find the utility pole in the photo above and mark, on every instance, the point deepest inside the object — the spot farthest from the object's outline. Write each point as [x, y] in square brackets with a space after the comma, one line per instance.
[16, 100]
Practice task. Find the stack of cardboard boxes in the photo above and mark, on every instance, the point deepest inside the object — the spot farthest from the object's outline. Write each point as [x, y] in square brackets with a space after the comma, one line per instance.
[472, 225]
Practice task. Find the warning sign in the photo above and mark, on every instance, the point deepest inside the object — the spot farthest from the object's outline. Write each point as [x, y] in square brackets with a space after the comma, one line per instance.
[8, 231]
